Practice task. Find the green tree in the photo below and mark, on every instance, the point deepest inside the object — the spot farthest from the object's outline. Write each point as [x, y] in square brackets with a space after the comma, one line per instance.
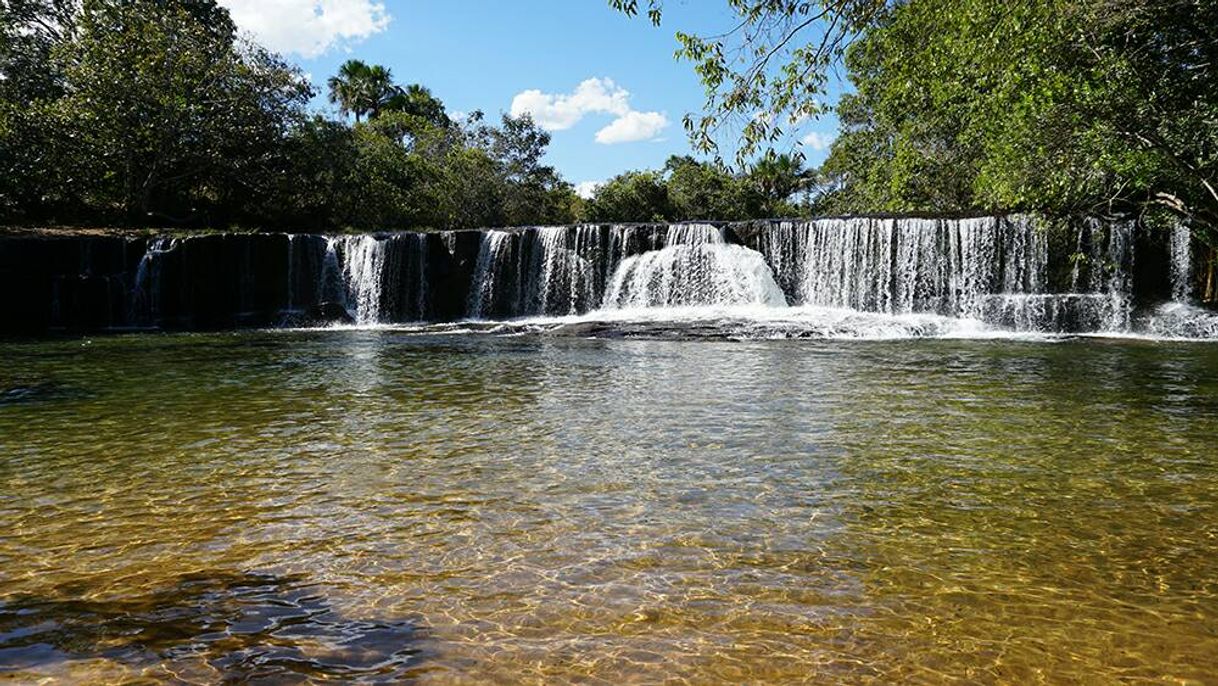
[705, 190]
[776, 178]
[363, 90]
[773, 57]
[631, 197]
[165, 115]
[1088, 107]
[418, 101]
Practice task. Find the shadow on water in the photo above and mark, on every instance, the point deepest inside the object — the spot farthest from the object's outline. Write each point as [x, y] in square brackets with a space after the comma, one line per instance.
[38, 392]
[248, 627]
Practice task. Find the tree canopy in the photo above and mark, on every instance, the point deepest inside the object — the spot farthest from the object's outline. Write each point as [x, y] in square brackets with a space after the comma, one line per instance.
[1082, 106]
[156, 112]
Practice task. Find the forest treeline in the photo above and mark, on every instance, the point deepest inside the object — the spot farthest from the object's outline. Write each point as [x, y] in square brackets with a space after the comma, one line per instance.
[158, 112]
[1092, 107]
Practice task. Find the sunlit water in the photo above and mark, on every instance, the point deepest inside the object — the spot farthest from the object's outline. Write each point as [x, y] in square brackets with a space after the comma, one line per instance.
[395, 505]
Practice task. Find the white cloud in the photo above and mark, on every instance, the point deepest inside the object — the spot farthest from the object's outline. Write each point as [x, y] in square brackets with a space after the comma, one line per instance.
[585, 189]
[308, 27]
[556, 112]
[559, 111]
[818, 141]
[632, 126]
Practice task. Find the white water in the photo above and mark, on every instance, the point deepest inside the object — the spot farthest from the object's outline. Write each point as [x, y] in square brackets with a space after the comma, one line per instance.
[690, 275]
[1181, 262]
[852, 277]
[144, 302]
[493, 258]
[911, 265]
[363, 266]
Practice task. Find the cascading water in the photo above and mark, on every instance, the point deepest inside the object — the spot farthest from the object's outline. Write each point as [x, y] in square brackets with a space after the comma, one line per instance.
[913, 265]
[993, 269]
[693, 234]
[363, 269]
[694, 275]
[564, 277]
[375, 278]
[562, 270]
[882, 274]
[493, 259]
[1101, 275]
[1181, 262]
[144, 301]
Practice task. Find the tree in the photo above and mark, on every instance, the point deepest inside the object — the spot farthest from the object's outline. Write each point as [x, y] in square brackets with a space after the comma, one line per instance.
[776, 178]
[773, 60]
[631, 197]
[160, 112]
[1054, 105]
[704, 190]
[1085, 107]
[362, 90]
[418, 101]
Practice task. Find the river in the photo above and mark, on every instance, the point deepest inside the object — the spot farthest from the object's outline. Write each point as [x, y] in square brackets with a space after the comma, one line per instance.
[531, 504]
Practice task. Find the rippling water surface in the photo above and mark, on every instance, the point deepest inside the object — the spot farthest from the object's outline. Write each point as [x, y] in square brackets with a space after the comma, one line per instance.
[388, 506]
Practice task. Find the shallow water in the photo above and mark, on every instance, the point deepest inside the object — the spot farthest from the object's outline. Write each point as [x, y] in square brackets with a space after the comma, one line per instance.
[385, 505]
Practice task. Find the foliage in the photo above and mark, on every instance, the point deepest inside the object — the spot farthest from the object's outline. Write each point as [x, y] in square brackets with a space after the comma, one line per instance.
[766, 71]
[155, 112]
[1091, 107]
[687, 189]
[1071, 106]
[631, 197]
[170, 113]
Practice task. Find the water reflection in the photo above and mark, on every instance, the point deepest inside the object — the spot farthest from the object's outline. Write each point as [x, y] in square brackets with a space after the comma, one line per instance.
[609, 510]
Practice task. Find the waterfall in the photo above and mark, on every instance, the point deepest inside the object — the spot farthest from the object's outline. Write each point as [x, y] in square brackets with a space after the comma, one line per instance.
[291, 289]
[985, 273]
[1101, 276]
[994, 269]
[910, 265]
[689, 275]
[564, 277]
[692, 234]
[1181, 262]
[363, 267]
[561, 270]
[493, 260]
[144, 301]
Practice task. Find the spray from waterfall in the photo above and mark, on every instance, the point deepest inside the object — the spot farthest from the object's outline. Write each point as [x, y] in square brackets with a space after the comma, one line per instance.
[702, 274]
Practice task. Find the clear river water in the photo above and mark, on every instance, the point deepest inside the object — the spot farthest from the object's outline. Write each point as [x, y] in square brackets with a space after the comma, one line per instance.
[533, 505]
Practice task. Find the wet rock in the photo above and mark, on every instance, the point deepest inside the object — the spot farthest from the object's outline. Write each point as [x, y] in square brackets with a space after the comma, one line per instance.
[328, 313]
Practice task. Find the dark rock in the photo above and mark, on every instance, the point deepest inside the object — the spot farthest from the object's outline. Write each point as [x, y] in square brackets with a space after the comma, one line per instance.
[328, 313]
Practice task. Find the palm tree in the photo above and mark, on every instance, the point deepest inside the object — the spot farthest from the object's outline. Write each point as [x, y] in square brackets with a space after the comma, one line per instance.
[379, 88]
[778, 177]
[418, 100]
[361, 89]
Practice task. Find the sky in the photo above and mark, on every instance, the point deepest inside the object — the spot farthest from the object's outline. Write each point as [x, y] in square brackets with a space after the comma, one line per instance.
[606, 86]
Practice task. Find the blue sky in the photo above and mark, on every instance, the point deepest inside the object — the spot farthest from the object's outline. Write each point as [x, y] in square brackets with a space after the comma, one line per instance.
[606, 86]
